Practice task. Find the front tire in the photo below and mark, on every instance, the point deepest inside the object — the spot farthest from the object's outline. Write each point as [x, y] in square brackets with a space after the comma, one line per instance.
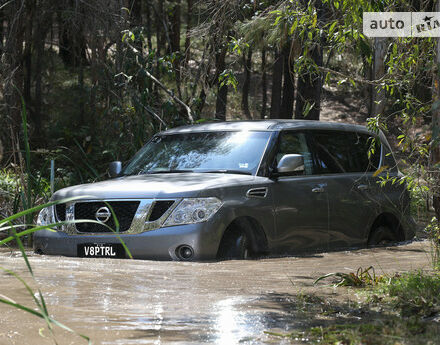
[382, 235]
[235, 246]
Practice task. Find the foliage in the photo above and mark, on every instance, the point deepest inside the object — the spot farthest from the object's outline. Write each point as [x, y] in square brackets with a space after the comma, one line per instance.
[433, 231]
[414, 293]
[391, 332]
[6, 224]
[362, 278]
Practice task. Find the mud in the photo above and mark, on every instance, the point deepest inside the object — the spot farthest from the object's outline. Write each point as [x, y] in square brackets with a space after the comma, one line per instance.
[148, 302]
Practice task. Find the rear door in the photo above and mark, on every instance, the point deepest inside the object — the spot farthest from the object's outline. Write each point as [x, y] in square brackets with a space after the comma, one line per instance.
[348, 165]
[300, 200]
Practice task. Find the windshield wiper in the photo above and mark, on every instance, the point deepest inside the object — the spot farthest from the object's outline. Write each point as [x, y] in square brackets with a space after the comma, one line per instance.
[228, 171]
[169, 171]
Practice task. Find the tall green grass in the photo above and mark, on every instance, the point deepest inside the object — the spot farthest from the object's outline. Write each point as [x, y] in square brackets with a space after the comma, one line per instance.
[7, 224]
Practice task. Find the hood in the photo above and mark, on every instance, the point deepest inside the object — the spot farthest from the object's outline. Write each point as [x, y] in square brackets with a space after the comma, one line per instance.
[155, 186]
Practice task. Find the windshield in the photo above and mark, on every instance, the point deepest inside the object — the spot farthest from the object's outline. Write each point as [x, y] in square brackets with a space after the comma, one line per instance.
[227, 152]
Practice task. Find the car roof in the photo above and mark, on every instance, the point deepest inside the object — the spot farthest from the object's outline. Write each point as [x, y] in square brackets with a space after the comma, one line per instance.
[265, 125]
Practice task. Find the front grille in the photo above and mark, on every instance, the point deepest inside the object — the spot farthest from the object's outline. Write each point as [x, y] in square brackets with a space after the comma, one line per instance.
[124, 211]
[159, 208]
[60, 211]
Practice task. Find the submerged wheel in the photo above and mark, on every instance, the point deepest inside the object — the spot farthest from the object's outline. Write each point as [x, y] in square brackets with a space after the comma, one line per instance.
[382, 235]
[235, 246]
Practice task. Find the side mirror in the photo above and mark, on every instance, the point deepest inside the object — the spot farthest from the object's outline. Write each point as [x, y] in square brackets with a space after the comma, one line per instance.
[114, 169]
[290, 163]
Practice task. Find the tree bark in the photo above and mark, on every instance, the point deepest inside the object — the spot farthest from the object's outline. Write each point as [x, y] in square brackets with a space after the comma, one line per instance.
[43, 23]
[377, 101]
[286, 111]
[263, 84]
[1, 29]
[247, 62]
[136, 13]
[72, 41]
[175, 27]
[222, 91]
[27, 56]
[148, 20]
[277, 75]
[435, 140]
[308, 95]
[175, 43]
[188, 29]
[160, 36]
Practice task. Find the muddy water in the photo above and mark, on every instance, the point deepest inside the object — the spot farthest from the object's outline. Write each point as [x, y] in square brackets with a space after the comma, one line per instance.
[147, 302]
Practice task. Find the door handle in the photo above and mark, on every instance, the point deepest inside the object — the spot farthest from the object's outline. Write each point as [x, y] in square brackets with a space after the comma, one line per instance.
[319, 188]
[362, 187]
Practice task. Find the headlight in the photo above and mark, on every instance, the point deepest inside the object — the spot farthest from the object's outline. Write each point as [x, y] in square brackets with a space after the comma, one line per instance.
[46, 216]
[191, 211]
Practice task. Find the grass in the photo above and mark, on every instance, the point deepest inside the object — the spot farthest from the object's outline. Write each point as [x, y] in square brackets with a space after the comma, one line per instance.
[393, 331]
[397, 310]
[41, 310]
[361, 278]
[412, 294]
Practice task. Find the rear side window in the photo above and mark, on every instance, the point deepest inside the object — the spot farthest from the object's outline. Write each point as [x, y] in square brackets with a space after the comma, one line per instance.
[344, 152]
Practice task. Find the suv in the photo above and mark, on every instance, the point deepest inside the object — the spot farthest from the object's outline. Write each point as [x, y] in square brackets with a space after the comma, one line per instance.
[234, 190]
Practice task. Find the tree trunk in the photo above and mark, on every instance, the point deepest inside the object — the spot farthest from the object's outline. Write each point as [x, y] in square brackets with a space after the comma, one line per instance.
[160, 35]
[136, 13]
[175, 43]
[175, 27]
[43, 23]
[12, 69]
[377, 102]
[247, 62]
[286, 111]
[263, 84]
[188, 29]
[71, 41]
[148, 20]
[435, 140]
[27, 56]
[308, 94]
[222, 91]
[277, 75]
[1, 30]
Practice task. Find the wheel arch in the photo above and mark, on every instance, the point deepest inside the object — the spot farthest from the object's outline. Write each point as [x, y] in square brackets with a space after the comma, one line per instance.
[391, 221]
[253, 230]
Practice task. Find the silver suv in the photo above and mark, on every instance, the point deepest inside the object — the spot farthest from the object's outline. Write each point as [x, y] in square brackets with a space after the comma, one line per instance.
[234, 190]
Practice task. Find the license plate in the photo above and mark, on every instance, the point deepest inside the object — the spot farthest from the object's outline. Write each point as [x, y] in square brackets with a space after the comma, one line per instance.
[101, 250]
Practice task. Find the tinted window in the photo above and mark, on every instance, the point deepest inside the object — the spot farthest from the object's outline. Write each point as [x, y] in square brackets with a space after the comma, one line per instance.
[295, 143]
[343, 152]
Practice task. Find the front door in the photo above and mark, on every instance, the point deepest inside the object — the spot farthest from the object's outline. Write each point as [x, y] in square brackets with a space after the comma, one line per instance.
[300, 201]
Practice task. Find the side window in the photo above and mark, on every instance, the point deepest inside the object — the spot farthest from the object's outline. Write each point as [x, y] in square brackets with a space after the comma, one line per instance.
[295, 143]
[344, 152]
[366, 152]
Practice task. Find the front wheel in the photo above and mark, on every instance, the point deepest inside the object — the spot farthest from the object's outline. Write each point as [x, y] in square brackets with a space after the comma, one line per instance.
[235, 246]
[382, 235]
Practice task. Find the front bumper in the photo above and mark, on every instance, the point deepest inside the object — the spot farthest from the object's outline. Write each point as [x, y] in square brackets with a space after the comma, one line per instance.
[159, 244]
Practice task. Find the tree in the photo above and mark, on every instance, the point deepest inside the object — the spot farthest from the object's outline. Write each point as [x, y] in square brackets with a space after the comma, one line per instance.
[277, 75]
[286, 111]
[247, 63]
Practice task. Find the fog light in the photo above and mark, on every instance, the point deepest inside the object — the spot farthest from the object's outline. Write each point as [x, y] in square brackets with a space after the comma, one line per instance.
[185, 252]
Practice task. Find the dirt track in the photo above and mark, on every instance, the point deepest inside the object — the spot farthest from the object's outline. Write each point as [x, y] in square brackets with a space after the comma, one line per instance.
[147, 302]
